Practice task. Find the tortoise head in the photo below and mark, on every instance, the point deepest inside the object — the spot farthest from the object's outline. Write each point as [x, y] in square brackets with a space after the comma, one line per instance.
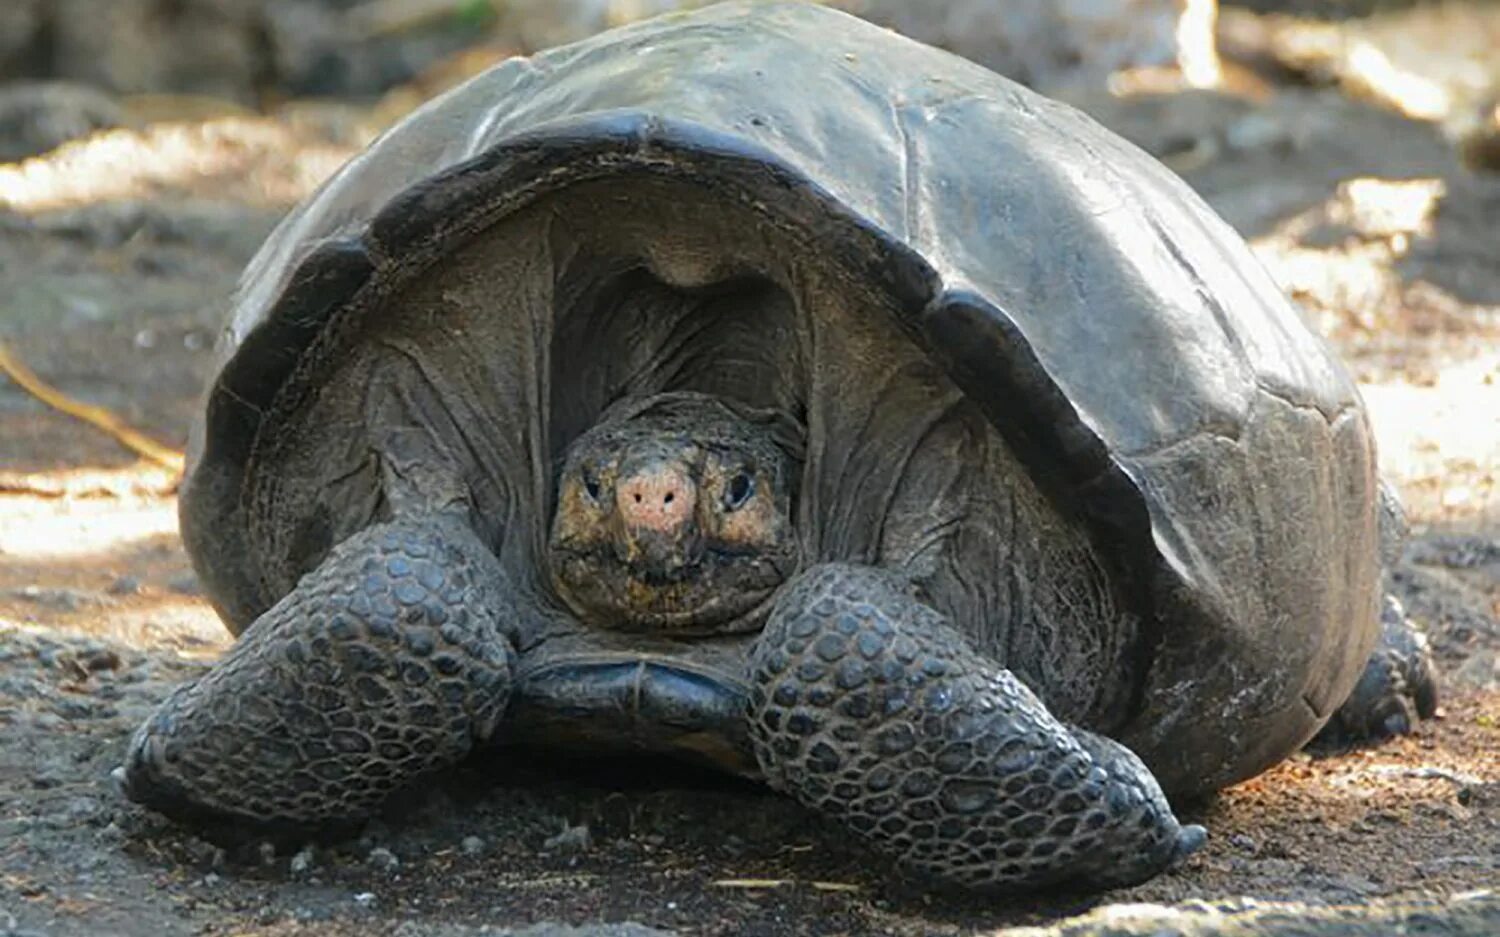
[674, 512]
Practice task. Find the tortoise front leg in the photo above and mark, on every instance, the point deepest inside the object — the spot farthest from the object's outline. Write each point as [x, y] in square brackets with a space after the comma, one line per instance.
[870, 706]
[385, 662]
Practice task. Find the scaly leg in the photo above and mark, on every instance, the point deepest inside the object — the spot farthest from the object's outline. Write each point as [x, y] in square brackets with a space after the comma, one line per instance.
[387, 661]
[870, 706]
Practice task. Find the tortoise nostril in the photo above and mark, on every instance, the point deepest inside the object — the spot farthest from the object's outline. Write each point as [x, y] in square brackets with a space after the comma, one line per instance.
[656, 496]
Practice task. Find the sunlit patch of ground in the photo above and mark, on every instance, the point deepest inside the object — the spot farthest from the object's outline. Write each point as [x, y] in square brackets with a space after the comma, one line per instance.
[1440, 442]
[1424, 344]
[1431, 61]
[252, 161]
[97, 552]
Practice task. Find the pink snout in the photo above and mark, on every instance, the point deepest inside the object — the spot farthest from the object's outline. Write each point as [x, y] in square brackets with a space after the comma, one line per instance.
[658, 497]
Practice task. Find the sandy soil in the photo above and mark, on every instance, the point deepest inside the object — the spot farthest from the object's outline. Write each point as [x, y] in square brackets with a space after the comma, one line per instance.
[115, 294]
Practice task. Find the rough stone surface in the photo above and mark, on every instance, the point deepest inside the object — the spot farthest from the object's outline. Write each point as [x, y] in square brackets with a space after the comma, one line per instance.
[1475, 915]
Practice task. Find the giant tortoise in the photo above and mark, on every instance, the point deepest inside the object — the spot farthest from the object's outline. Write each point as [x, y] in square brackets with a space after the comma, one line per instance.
[760, 387]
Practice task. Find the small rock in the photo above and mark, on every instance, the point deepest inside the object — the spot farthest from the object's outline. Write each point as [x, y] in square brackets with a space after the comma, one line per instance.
[1481, 671]
[266, 851]
[365, 899]
[185, 584]
[57, 600]
[1357, 884]
[124, 585]
[472, 845]
[47, 722]
[95, 659]
[572, 840]
[203, 852]
[383, 859]
[1279, 868]
[1484, 794]
[1243, 842]
[303, 861]
[211, 879]
[74, 709]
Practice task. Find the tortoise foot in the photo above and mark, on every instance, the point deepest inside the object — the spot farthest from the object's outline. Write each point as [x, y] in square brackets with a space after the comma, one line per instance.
[1397, 688]
[869, 705]
[384, 663]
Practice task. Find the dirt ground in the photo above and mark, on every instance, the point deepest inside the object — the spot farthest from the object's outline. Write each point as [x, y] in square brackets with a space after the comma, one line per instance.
[117, 258]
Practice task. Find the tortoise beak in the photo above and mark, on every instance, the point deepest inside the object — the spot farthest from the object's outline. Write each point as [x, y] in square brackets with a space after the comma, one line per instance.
[657, 559]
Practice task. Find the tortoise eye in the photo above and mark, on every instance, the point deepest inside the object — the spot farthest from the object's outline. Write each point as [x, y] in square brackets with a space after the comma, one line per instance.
[741, 487]
[590, 485]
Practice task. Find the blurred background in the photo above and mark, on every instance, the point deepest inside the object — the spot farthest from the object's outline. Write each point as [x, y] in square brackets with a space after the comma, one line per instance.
[148, 146]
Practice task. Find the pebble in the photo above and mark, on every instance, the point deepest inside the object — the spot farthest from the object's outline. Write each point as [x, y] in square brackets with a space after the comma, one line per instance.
[572, 839]
[1243, 841]
[306, 915]
[365, 899]
[383, 859]
[303, 861]
[1481, 671]
[47, 722]
[267, 853]
[185, 584]
[95, 659]
[206, 854]
[124, 585]
[58, 600]
[472, 845]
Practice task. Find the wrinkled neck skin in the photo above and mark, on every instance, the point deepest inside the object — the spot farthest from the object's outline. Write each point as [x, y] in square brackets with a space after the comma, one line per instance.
[674, 516]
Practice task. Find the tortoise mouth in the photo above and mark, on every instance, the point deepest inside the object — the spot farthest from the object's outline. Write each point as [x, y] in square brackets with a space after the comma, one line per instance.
[621, 702]
[723, 592]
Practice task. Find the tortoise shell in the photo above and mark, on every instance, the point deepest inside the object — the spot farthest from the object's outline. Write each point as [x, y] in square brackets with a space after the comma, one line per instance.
[880, 229]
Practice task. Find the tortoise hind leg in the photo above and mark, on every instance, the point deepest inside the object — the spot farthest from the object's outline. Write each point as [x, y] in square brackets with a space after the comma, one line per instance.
[385, 662]
[1398, 686]
[870, 706]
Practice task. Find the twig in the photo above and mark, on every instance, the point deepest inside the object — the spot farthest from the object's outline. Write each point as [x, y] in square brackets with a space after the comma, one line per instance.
[752, 883]
[95, 416]
[1427, 772]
